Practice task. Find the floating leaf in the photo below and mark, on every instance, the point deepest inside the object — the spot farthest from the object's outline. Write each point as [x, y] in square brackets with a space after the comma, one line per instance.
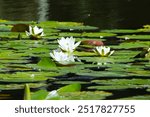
[121, 31]
[77, 28]
[92, 42]
[20, 28]
[70, 88]
[99, 35]
[39, 95]
[135, 37]
[85, 95]
[46, 63]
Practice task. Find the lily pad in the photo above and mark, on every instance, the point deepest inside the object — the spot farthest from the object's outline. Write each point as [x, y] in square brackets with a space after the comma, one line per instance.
[21, 86]
[122, 31]
[85, 95]
[77, 28]
[98, 35]
[135, 37]
[20, 28]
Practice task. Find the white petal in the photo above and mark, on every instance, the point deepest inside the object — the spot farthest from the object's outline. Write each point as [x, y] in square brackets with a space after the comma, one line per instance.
[99, 50]
[27, 33]
[62, 58]
[42, 34]
[111, 52]
[77, 44]
[30, 29]
[37, 30]
[106, 50]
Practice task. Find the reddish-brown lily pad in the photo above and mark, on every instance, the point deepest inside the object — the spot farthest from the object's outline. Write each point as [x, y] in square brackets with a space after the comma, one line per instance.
[20, 28]
[92, 42]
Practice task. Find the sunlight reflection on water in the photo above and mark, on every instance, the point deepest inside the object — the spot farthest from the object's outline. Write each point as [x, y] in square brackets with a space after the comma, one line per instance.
[43, 10]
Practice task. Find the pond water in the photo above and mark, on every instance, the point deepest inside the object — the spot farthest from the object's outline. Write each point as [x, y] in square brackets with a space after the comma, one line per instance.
[25, 63]
[102, 13]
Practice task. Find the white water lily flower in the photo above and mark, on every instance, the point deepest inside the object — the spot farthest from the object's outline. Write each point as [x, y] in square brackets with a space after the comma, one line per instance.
[62, 58]
[68, 44]
[35, 32]
[103, 51]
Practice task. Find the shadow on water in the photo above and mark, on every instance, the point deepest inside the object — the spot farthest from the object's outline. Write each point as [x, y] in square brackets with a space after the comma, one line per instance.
[127, 93]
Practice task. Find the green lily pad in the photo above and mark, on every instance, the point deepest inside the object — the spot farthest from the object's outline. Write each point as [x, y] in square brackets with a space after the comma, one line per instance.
[46, 63]
[5, 28]
[70, 88]
[55, 24]
[27, 76]
[39, 95]
[42, 94]
[21, 86]
[135, 37]
[140, 97]
[77, 28]
[121, 31]
[99, 35]
[85, 95]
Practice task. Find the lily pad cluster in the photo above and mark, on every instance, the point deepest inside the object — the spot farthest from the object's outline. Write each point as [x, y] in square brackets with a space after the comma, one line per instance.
[39, 59]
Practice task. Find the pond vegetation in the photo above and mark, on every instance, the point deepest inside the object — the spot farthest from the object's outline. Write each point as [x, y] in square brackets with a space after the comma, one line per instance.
[103, 64]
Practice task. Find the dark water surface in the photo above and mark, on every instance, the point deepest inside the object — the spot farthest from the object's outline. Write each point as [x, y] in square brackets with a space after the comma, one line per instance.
[101, 13]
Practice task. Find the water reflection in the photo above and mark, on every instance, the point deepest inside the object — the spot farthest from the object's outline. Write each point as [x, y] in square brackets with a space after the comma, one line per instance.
[102, 13]
[43, 8]
[18, 9]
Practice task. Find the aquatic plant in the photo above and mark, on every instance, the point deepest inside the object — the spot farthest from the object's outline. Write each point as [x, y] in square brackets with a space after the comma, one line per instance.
[35, 32]
[103, 51]
[62, 58]
[26, 63]
[68, 44]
